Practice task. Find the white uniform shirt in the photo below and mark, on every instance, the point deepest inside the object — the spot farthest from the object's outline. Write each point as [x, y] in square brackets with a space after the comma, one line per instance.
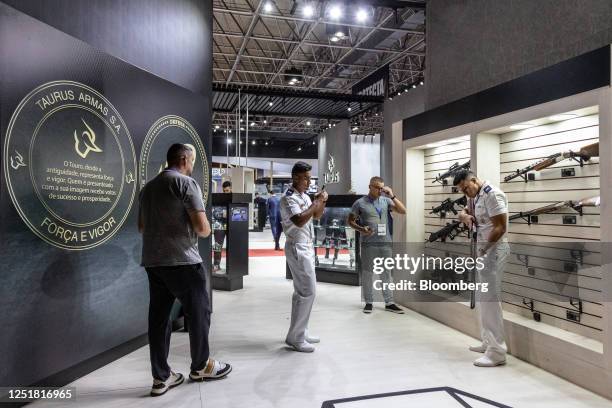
[293, 203]
[489, 202]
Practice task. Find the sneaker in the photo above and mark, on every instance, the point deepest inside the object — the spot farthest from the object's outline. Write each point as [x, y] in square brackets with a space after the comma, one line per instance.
[393, 308]
[214, 370]
[490, 360]
[478, 349]
[367, 308]
[303, 347]
[311, 338]
[161, 387]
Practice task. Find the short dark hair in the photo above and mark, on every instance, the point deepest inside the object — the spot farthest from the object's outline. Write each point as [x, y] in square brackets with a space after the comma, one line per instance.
[175, 152]
[461, 175]
[226, 184]
[300, 167]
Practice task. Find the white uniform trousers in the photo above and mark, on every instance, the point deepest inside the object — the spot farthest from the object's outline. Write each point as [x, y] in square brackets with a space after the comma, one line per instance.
[301, 261]
[488, 305]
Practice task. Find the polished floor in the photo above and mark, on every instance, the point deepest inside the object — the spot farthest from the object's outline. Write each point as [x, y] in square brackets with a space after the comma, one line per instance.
[359, 355]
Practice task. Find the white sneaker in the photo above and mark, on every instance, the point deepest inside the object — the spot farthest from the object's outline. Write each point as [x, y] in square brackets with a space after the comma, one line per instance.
[161, 387]
[303, 347]
[213, 370]
[489, 360]
[478, 349]
[311, 338]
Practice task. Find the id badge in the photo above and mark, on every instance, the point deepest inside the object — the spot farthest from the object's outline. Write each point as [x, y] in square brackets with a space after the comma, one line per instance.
[381, 229]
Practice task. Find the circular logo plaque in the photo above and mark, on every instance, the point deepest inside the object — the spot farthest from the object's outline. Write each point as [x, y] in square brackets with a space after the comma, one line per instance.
[166, 131]
[70, 165]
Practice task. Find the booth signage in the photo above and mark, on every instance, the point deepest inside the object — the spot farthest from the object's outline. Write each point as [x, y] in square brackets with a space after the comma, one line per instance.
[164, 132]
[69, 165]
[375, 84]
[332, 175]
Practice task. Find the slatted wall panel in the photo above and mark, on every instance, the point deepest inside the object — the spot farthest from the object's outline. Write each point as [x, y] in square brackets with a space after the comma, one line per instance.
[437, 161]
[554, 268]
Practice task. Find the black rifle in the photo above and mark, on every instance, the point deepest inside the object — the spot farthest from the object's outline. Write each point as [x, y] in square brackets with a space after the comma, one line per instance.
[451, 230]
[584, 154]
[575, 205]
[448, 205]
[452, 170]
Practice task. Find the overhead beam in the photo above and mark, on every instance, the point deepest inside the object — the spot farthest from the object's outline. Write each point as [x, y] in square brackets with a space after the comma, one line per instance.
[296, 93]
[311, 20]
[245, 40]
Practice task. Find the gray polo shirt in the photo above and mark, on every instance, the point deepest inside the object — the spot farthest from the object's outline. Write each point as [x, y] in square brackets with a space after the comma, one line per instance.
[168, 238]
[371, 213]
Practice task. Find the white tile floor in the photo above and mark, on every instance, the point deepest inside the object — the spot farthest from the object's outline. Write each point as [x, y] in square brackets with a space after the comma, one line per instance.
[359, 355]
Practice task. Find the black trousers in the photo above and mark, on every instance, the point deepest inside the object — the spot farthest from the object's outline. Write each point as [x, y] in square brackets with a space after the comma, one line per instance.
[187, 283]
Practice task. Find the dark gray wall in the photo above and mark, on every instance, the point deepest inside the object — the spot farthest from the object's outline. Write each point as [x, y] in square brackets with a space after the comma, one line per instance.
[169, 38]
[476, 44]
[403, 106]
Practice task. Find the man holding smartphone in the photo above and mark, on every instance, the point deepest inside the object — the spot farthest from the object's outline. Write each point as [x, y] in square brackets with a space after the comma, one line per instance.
[297, 212]
[372, 212]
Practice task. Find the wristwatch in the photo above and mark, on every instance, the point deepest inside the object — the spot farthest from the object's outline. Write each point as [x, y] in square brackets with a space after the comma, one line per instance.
[392, 198]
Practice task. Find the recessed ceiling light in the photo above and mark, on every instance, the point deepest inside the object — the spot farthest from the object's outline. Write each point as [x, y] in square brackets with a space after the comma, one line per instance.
[335, 12]
[270, 103]
[308, 11]
[563, 116]
[521, 126]
[362, 15]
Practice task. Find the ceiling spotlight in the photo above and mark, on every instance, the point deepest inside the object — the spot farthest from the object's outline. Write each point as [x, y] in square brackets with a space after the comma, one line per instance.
[293, 75]
[241, 142]
[405, 90]
[335, 12]
[355, 128]
[229, 141]
[253, 142]
[241, 120]
[268, 7]
[253, 124]
[314, 142]
[266, 143]
[299, 149]
[270, 103]
[399, 93]
[362, 15]
[217, 126]
[308, 11]
[308, 123]
[339, 34]
[421, 83]
[334, 39]
[241, 129]
[376, 114]
[414, 85]
[265, 121]
[329, 125]
[349, 109]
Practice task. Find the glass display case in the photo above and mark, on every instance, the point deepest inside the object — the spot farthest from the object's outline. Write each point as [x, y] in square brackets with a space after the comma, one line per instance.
[336, 244]
[230, 239]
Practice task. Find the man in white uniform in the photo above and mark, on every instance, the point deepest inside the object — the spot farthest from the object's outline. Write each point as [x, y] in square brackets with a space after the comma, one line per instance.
[487, 210]
[297, 211]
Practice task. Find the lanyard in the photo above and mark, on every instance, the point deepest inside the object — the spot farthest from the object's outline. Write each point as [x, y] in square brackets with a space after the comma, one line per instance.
[378, 210]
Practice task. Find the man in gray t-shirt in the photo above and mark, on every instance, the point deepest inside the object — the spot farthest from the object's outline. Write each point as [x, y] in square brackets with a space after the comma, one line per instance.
[171, 217]
[370, 215]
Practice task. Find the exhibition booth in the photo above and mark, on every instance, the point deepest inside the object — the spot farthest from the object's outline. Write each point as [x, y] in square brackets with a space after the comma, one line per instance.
[545, 140]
